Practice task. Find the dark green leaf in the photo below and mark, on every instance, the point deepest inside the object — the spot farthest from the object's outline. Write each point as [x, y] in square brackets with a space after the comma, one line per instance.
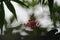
[40, 1]
[5, 23]
[52, 32]
[2, 15]
[52, 14]
[50, 3]
[57, 11]
[43, 1]
[11, 8]
[1, 0]
[12, 19]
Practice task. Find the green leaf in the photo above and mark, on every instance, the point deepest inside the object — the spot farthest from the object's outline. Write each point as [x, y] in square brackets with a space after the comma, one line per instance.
[43, 1]
[57, 11]
[12, 19]
[50, 3]
[40, 1]
[5, 23]
[19, 2]
[2, 15]
[52, 14]
[11, 8]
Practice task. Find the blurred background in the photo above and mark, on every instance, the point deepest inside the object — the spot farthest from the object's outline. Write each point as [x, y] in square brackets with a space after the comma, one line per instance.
[26, 16]
[41, 12]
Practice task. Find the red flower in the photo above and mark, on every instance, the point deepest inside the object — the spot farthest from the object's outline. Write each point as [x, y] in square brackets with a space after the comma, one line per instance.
[32, 23]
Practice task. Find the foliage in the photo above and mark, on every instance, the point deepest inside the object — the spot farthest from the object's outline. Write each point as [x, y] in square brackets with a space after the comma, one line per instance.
[37, 30]
[10, 7]
[51, 35]
[2, 15]
[9, 30]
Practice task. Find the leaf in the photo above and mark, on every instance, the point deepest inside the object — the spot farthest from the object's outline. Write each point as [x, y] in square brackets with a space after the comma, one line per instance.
[40, 1]
[5, 23]
[2, 15]
[50, 4]
[52, 14]
[40, 30]
[19, 2]
[52, 32]
[43, 1]
[11, 8]
[58, 35]
[12, 19]
[57, 11]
